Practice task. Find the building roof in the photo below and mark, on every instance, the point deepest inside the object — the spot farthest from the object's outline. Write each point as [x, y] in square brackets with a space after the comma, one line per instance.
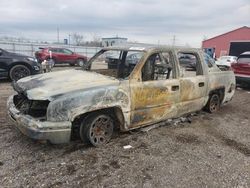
[110, 38]
[244, 27]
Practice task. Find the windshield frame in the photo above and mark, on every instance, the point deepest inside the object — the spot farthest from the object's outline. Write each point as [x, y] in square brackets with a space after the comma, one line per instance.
[121, 50]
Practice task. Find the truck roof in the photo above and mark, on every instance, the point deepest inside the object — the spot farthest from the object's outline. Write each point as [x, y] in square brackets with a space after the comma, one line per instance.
[149, 48]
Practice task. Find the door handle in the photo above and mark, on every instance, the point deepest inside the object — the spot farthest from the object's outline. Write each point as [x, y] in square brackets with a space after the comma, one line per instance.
[201, 84]
[175, 88]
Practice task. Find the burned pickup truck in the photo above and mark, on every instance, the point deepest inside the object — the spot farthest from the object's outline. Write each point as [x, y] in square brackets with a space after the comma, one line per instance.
[90, 103]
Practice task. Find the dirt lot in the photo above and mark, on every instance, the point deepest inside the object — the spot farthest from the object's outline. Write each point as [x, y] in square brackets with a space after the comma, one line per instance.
[211, 151]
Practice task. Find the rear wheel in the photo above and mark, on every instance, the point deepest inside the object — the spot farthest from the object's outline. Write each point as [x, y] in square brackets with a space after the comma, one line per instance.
[81, 62]
[97, 129]
[19, 71]
[213, 104]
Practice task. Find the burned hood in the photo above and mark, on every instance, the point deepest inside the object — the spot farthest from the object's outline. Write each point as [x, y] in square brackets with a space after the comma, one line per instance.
[51, 85]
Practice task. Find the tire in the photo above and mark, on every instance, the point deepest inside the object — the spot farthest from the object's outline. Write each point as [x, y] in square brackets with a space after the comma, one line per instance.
[213, 104]
[81, 62]
[19, 71]
[97, 129]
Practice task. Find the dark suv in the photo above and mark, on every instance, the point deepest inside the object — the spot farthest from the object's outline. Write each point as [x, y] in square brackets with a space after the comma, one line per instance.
[16, 66]
[242, 69]
[60, 55]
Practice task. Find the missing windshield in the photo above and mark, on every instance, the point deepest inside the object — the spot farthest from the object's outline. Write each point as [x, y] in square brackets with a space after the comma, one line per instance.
[116, 63]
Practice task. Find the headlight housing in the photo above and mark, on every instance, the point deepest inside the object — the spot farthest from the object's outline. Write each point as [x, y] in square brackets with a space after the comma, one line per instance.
[34, 108]
[31, 59]
[37, 68]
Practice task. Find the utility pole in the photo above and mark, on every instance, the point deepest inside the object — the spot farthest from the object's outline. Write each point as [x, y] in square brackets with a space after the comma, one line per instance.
[58, 35]
[69, 39]
[174, 39]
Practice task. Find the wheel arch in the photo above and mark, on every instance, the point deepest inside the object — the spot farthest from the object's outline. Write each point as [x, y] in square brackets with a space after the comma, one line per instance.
[20, 63]
[115, 112]
[80, 58]
[220, 91]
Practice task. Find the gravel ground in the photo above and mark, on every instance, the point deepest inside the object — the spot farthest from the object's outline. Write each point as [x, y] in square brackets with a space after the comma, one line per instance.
[211, 151]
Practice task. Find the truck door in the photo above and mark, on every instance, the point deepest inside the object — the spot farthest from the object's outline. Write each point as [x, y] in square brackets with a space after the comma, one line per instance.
[193, 82]
[155, 97]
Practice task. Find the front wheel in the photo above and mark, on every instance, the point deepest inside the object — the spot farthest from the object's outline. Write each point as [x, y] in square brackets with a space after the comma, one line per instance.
[97, 129]
[19, 71]
[213, 104]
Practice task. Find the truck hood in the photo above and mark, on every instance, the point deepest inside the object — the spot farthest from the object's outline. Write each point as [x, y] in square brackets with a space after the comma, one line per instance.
[50, 85]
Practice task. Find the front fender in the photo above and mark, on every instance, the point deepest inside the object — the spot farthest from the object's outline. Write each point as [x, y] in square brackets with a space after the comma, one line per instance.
[72, 105]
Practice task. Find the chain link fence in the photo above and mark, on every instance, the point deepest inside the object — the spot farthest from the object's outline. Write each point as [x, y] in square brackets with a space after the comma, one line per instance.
[30, 48]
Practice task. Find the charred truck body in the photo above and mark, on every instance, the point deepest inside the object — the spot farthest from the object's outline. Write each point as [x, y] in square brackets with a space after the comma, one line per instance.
[132, 93]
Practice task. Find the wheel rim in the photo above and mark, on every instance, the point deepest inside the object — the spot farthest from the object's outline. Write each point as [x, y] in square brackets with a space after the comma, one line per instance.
[214, 103]
[101, 130]
[20, 72]
[81, 63]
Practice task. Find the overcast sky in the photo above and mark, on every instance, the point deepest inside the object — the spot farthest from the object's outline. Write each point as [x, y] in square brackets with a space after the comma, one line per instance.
[148, 21]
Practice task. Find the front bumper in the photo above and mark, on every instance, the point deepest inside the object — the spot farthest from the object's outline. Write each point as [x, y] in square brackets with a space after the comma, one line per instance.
[54, 132]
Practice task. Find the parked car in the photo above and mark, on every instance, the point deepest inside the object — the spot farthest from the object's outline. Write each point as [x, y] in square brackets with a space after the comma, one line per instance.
[92, 102]
[131, 59]
[242, 69]
[15, 66]
[112, 60]
[60, 55]
[226, 61]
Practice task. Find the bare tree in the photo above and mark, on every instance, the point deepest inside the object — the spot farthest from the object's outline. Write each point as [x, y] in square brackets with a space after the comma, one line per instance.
[96, 40]
[78, 38]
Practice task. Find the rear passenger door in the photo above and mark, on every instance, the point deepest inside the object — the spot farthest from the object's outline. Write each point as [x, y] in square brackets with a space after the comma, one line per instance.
[156, 95]
[193, 82]
[68, 55]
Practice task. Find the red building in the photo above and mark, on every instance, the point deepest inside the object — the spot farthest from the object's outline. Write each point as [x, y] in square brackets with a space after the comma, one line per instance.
[231, 43]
